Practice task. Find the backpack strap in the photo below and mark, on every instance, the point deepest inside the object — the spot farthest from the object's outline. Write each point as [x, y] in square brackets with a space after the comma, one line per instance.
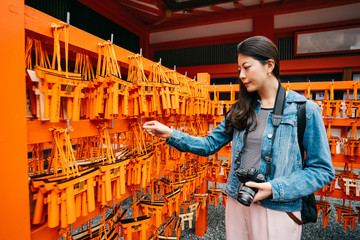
[301, 116]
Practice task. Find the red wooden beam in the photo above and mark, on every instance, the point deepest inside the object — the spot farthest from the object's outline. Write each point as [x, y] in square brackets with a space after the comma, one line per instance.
[316, 65]
[248, 12]
[142, 15]
[158, 3]
[296, 66]
[116, 13]
[291, 30]
[141, 7]
[306, 5]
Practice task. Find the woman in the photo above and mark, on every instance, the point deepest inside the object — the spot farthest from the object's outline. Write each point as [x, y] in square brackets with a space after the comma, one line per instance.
[249, 126]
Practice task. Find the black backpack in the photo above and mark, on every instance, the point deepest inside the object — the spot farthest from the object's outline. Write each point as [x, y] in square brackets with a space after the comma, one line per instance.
[308, 211]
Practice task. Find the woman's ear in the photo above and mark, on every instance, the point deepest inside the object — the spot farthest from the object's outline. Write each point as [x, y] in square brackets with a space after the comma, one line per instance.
[270, 65]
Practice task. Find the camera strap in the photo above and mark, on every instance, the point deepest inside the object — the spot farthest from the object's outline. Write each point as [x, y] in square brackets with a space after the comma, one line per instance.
[276, 119]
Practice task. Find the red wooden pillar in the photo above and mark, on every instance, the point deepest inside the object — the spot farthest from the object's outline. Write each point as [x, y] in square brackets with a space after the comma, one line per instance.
[202, 222]
[14, 200]
[264, 25]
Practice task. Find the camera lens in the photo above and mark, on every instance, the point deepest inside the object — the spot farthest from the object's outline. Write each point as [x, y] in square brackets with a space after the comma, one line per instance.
[246, 195]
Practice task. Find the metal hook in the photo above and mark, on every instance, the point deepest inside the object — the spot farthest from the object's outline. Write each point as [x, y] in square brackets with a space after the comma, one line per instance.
[67, 19]
[112, 124]
[68, 125]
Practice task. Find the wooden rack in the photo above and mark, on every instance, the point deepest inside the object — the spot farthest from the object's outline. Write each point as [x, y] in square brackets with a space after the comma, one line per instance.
[21, 135]
[17, 134]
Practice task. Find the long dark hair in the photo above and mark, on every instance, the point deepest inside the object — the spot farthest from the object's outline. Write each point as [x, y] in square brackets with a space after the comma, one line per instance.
[242, 114]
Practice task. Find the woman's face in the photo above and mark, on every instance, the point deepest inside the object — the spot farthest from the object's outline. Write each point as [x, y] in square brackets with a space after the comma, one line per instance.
[252, 73]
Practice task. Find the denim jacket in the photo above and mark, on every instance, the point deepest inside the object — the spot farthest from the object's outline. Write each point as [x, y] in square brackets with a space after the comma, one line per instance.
[288, 180]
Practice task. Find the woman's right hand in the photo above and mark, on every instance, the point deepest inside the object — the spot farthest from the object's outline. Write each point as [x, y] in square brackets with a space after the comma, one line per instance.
[154, 128]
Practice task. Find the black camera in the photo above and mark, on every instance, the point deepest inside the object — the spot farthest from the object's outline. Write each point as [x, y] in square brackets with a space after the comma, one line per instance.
[246, 194]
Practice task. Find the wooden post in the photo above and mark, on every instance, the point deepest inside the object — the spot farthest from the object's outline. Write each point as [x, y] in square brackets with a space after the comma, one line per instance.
[204, 78]
[14, 201]
[202, 222]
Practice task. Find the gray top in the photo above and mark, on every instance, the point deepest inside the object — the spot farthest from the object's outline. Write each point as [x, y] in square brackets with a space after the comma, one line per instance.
[252, 150]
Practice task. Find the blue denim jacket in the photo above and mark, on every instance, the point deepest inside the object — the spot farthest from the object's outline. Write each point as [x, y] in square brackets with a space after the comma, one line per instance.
[289, 182]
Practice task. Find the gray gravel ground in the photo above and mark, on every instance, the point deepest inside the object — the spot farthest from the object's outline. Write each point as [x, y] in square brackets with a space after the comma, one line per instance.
[311, 231]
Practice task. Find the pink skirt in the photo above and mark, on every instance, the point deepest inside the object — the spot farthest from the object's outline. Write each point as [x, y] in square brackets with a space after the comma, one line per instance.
[257, 222]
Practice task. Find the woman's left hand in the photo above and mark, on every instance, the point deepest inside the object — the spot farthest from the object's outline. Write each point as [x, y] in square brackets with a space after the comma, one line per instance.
[265, 190]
